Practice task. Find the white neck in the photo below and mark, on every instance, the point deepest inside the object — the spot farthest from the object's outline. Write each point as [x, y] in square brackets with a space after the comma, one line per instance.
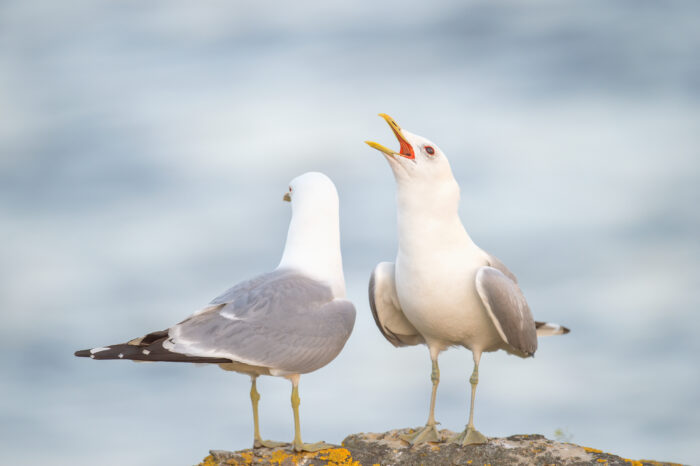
[428, 213]
[313, 245]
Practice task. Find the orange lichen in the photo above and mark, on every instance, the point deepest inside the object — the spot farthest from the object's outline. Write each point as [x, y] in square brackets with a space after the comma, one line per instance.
[278, 456]
[592, 450]
[601, 460]
[338, 457]
[208, 461]
[334, 456]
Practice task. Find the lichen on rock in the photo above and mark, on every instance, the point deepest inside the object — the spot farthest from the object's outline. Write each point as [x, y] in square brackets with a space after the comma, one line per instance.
[281, 456]
[388, 449]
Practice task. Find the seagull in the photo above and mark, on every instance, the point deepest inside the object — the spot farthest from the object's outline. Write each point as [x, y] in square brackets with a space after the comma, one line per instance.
[443, 290]
[288, 322]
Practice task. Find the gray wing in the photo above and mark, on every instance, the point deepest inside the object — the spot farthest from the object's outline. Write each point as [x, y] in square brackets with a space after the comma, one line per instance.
[386, 309]
[506, 306]
[282, 320]
[543, 328]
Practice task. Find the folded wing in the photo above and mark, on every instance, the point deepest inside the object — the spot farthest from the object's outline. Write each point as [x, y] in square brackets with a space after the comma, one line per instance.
[386, 309]
[148, 348]
[508, 309]
[282, 320]
[544, 329]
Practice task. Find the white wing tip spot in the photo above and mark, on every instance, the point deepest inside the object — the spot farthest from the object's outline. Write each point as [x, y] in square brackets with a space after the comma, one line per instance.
[121, 355]
[229, 316]
[146, 352]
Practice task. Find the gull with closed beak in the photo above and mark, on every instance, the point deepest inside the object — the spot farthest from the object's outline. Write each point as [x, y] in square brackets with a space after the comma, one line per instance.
[288, 322]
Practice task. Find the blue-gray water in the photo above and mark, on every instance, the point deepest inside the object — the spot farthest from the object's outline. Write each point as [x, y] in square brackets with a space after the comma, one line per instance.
[145, 147]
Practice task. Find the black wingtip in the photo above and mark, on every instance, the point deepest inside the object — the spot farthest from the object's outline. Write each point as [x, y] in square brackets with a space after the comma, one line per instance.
[565, 330]
[83, 353]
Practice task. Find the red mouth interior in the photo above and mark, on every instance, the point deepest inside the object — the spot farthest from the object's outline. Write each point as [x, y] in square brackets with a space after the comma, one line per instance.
[405, 150]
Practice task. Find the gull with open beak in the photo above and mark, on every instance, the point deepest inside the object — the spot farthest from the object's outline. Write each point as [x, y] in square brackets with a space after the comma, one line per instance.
[443, 290]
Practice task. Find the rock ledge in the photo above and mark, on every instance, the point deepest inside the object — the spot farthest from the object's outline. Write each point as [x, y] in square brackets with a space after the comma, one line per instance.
[387, 449]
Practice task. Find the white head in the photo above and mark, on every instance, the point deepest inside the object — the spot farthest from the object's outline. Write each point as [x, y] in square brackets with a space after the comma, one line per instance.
[312, 192]
[421, 170]
[313, 240]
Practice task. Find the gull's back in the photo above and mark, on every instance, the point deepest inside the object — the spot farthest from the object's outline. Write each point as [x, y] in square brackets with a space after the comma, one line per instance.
[282, 320]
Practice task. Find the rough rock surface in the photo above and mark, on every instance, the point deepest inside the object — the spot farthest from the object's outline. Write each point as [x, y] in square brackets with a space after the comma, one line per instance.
[388, 449]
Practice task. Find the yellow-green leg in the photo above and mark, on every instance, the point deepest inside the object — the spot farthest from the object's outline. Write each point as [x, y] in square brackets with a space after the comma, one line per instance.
[298, 445]
[429, 433]
[258, 442]
[471, 436]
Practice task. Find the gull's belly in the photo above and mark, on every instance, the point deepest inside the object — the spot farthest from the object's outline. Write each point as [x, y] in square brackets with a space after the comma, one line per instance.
[444, 306]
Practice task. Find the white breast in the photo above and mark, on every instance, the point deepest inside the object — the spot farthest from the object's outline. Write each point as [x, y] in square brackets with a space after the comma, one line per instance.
[438, 295]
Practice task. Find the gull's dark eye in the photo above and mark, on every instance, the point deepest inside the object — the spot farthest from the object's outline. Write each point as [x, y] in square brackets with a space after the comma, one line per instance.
[430, 150]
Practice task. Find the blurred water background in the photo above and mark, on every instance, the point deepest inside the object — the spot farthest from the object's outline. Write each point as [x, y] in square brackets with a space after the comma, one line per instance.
[145, 147]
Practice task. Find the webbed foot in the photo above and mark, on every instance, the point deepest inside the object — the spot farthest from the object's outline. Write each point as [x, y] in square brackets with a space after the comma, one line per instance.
[470, 436]
[429, 433]
[259, 443]
[311, 447]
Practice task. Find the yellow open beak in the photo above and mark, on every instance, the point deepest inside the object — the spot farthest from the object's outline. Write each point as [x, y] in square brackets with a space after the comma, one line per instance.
[406, 150]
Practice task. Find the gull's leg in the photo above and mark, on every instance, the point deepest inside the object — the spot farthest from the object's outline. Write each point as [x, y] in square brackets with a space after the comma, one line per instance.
[298, 445]
[429, 433]
[471, 436]
[258, 442]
